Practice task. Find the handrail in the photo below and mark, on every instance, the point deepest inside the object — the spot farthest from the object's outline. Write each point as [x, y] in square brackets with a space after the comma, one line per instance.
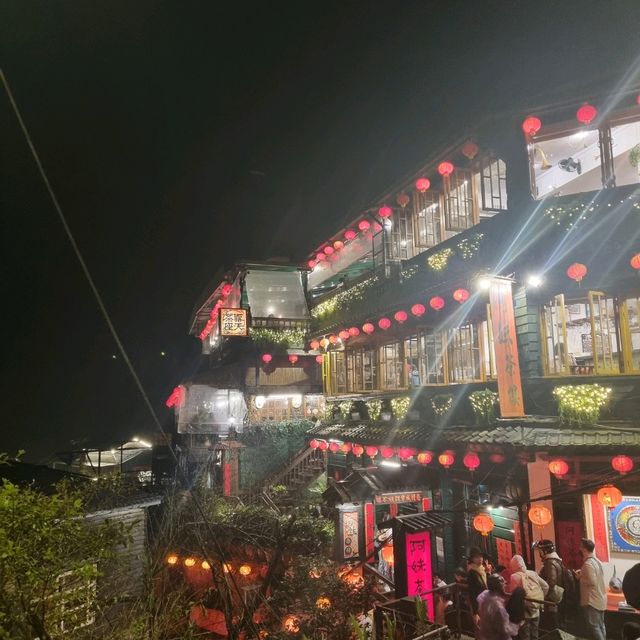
[305, 455]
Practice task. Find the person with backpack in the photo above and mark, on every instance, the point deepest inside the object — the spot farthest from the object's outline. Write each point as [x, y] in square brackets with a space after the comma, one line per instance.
[593, 591]
[535, 589]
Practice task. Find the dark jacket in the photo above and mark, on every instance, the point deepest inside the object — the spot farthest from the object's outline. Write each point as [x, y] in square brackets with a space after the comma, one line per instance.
[476, 583]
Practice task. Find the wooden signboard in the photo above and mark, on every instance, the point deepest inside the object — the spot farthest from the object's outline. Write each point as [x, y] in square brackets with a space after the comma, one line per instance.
[233, 323]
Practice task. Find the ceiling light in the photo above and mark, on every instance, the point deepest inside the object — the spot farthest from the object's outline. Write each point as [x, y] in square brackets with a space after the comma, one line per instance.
[534, 280]
[484, 283]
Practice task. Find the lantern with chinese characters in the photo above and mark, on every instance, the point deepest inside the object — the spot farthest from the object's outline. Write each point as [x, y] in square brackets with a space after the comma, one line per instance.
[267, 358]
[423, 184]
[357, 450]
[577, 271]
[338, 245]
[559, 468]
[386, 452]
[346, 447]
[293, 358]
[291, 624]
[387, 554]
[364, 225]
[314, 444]
[635, 262]
[425, 457]
[343, 335]
[349, 234]
[470, 150]
[418, 309]
[483, 524]
[334, 447]
[436, 303]
[531, 125]
[609, 496]
[385, 211]
[586, 113]
[460, 295]
[403, 199]
[354, 331]
[446, 459]
[445, 169]
[539, 515]
[314, 344]
[244, 570]
[371, 451]
[368, 328]
[471, 460]
[622, 464]
[319, 359]
[312, 264]
[384, 323]
[400, 316]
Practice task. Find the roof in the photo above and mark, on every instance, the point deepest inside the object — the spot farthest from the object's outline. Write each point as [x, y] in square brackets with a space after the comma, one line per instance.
[426, 521]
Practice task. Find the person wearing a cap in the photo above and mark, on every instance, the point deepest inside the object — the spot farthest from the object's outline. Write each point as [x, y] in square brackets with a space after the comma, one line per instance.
[551, 573]
[476, 579]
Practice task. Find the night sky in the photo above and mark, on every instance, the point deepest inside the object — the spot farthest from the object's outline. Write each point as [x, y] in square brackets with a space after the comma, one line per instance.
[180, 136]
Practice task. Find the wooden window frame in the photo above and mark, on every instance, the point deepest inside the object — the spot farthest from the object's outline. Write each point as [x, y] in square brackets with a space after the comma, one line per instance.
[487, 194]
[422, 203]
[453, 185]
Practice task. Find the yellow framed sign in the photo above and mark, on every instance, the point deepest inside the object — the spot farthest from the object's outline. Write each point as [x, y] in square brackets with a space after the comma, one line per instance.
[233, 323]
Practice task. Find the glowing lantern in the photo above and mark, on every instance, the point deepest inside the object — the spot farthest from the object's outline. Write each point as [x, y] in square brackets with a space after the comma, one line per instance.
[586, 113]
[483, 524]
[387, 554]
[403, 199]
[314, 344]
[323, 603]
[353, 580]
[312, 264]
[357, 450]
[368, 328]
[172, 559]
[227, 567]
[293, 359]
[371, 451]
[531, 125]
[346, 447]
[386, 452]
[384, 323]
[354, 331]
[385, 211]
[328, 250]
[559, 468]
[349, 234]
[400, 316]
[404, 453]
[460, 295]
[577, 271]
[425, 457]
[470, 150]
[314, 444]
[622, 464]
[334, 447]
[471, 461]
[539, 515]
[418, 309]
[496, 458]
[320, 257]
[363, 225]
[338, 245]
[319, 359]
[314, 573]
[189, 562]
[423, 184]
[635, 261]
[323, 446]
[436, 303]
[244, 570]
[344, 334]
[267, 358]
[227, 289]
[333, 339]
[609, 496]
[446, 459]
[205, 565]
[445, 169]
[324, 343]
[291, 624]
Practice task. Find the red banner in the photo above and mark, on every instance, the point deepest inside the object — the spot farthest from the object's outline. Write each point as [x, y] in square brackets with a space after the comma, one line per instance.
[369, 530]
[599, 529]
[506, 349]
[504, 551]
[419, 571]
[568, 535]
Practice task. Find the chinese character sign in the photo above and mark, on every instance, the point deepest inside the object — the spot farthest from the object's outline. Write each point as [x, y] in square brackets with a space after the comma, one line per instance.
[419, 571]
[349, 534]
[233, 322]
[506, 349]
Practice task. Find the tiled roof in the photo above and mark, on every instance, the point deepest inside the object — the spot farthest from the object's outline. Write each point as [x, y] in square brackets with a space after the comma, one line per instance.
[523, 436]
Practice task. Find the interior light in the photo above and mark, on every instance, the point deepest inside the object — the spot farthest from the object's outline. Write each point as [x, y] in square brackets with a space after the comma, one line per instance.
[484, 283]
[534, 280]
[390, 463]
[296, 402]
[259, 402]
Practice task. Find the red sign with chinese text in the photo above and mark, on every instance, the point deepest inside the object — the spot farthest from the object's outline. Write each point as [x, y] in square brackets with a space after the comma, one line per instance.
[419, 571]
[233, 322]
[369, 530]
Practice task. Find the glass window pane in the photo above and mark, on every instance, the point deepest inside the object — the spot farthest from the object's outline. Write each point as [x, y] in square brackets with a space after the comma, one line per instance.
[276, 294]
[464, 354]
[426, 219]
[431, 357]
[633, 314]
[625, 145]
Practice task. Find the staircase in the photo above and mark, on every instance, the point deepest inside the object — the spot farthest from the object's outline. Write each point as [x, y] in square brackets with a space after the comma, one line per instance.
[299, 472]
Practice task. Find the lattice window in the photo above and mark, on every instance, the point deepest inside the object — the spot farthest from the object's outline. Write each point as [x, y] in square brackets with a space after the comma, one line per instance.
[493, 185]
[426, 219]
[432, 360]
[463, 354]
[337, 372]
[362, 373]
[461, 211]
[399, 238]
[391, 366]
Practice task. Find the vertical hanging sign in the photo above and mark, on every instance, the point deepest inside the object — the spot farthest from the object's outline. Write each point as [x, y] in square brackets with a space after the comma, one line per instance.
[506, 349]
[419, 571]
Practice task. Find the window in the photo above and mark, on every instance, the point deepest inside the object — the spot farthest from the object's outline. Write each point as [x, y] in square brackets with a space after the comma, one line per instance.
[337, 381]
[625, 153]
[432, 365]
[412, 361]
[493, 185]
[463, 353]
[399, 238]
[460, 202]
[486, 344]
[362, 373]
[391, 366]
[426, 219]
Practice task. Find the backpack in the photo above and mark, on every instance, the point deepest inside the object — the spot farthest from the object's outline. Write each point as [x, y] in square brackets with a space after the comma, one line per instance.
[571, 595]
[533, 590]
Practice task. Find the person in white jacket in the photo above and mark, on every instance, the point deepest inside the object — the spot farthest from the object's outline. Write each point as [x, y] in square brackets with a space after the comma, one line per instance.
[535, 588]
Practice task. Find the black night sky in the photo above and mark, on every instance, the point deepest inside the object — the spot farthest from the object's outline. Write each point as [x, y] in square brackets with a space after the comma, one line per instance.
[181, 135]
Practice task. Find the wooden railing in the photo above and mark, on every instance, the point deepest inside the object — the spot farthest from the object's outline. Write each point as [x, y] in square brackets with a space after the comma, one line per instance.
[300, 467]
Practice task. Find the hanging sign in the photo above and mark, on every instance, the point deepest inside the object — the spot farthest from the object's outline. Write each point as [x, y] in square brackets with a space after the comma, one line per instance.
[233, 323]
[350, 538]
[397, 498]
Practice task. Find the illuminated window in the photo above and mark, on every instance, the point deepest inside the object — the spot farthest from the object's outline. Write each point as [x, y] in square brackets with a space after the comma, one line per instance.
[461, 210]
[463, 354]
[625, 153]
[391, 366]
[630, 333]
[337, 373]
[432, 357]
[426, 219]
[493, 185]
[399, 238]
[362, 373]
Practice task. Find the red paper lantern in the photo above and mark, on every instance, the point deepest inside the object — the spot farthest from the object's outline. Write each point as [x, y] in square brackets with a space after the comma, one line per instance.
[635, 261]
[333, 339]
[460, 295]
[425, 457]
[470, 150]
[446, 459]
[436, 303]
[445, 169]
[423, 184]
[371, 451]
[293, 358]
[314, 344]
[403, 199]
[609, 496]
[539, 515]
[496, 458]
[350, 234]
[622, 464]
[320, 257]
[328, 250]
[319, 359]
[531, 125]
[586, 113]
[227, 289]
[483, 524]
[385, 211]
[363, 225]
[357, 450]
[384, 323]
[338, 245]
[559, 468]
[346, 447]
[471, 461]
[368, 328]
[312, 264]
[418, 309]
[400, 316]
[344, 335]
[314, 444]
[354, 331]
[334, 447]
[323, 445]
[386, 452]
[324, 343]
[405, 453]
[577, 271]
[266, 358]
